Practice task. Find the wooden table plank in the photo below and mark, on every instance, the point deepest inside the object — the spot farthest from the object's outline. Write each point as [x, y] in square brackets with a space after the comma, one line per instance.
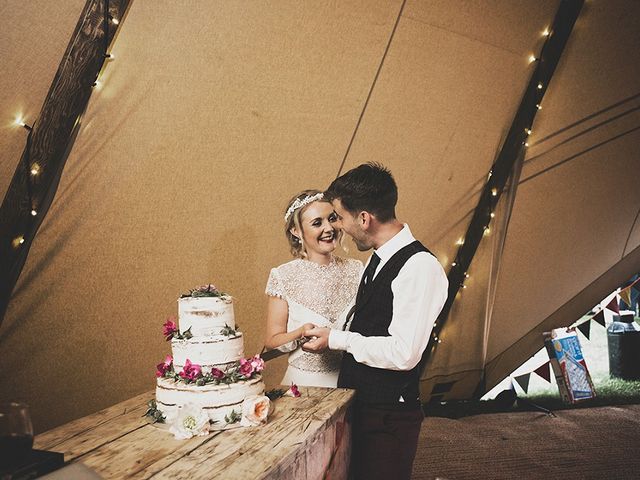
[293, 427]
[141, 453]
[299, 441]
[79, 436]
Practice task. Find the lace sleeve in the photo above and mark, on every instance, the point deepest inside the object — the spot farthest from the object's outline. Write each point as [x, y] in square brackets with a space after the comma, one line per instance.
[274, 285]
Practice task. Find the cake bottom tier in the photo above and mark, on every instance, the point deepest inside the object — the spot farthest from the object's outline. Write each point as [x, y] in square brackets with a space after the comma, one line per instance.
[216, 400]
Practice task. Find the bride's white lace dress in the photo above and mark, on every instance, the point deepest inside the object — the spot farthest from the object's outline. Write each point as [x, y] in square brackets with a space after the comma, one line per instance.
[318, 294]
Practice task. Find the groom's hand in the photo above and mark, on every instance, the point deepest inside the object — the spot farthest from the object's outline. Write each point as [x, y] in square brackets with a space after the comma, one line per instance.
[318, 344]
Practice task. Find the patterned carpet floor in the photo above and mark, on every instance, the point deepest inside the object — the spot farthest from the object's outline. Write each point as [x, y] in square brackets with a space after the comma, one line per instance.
[586, 443]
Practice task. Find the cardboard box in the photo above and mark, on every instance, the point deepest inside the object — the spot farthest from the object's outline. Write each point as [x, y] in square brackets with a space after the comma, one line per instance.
[569, 366]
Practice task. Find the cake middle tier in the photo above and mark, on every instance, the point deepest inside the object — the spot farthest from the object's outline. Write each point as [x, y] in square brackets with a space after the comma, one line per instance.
[216, 351]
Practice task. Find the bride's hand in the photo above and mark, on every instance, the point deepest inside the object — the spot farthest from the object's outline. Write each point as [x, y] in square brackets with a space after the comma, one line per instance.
[319, 340]
[305, 327]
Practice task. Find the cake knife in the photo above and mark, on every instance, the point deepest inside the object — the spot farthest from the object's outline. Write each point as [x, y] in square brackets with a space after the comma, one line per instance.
[275, 353]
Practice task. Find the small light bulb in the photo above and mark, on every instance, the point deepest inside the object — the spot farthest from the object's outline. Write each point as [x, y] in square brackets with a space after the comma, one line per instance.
[19, 121]
[528, 130]
[435, 338]
[114, 21]
[526, 144]
[453, 264]
[35, 169]
[538, 106]
[466, 275]
[34, 213]
[17, 241]
[460, 241]
[487, 230]
[493, 215]
[439, 341]
[539, 86]
[464, 286]
[494, 192]
[546, 32]
[96, 84]
[532, 58]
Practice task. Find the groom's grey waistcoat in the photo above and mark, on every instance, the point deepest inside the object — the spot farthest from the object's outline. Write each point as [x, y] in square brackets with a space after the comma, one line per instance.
[372, 317]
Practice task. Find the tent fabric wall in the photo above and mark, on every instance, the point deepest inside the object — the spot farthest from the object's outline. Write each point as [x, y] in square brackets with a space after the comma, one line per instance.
[214, 113]
[573, 215]
[209, 119]
[577, 198]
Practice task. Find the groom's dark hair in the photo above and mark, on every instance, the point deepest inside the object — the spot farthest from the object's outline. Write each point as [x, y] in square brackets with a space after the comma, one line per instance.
[369, 187]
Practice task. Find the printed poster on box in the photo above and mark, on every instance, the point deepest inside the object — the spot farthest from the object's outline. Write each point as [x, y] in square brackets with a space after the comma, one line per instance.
[569, 366]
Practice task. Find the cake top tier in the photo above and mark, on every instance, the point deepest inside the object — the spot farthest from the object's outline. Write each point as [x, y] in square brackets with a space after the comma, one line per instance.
[208, 290]
[205, 311]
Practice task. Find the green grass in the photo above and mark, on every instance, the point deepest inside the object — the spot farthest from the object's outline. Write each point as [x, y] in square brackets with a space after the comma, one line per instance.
[609, 391]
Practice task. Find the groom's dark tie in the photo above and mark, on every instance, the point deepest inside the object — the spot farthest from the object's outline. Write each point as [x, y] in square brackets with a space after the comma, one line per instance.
[369, 271]
[367, 277]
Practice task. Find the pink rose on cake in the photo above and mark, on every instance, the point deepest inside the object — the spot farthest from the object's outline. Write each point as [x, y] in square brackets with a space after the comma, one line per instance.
[257, 363]
[217, 373]
[246, 369]
[255, 410]
[169, 328]
[249, 366]
[190, 421]
[164, 367]
[191, 371]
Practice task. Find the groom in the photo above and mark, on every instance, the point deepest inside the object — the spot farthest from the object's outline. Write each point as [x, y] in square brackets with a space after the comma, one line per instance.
[401, 293]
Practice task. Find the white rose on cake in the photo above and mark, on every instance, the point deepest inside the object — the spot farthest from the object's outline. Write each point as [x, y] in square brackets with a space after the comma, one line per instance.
[189, 422]
[255, 410]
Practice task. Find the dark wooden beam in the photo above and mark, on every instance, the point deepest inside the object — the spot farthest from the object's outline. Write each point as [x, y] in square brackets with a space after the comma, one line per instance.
[35, 181]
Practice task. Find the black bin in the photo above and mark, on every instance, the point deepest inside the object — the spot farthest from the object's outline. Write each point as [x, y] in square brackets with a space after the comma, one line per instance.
[623, 338]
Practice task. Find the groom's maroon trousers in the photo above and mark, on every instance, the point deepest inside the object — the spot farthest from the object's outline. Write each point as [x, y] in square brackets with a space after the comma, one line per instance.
[384, 442]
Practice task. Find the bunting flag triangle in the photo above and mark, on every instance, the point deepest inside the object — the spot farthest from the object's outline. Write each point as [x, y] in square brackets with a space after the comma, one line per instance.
[585, 327]
[613, 305]
[523, 381]
[543, 370]
[625, 296]
[599, 317]
[635, 293]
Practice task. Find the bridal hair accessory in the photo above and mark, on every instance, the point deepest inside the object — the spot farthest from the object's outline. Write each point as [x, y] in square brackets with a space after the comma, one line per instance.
[299, 203]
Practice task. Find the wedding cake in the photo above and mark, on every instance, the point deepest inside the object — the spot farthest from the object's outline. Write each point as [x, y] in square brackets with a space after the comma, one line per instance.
[207, 369]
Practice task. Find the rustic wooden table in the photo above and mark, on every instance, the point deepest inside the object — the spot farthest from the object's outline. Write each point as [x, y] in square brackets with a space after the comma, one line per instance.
[306, 438]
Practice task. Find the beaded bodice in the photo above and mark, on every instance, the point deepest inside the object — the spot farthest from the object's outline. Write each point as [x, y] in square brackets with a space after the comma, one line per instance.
[324, 289]
[318, 294]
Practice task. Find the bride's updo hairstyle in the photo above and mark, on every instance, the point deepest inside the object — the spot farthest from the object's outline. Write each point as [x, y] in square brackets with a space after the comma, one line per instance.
[296, 206]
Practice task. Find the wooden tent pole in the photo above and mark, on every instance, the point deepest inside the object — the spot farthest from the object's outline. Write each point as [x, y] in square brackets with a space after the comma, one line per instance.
[35, 180]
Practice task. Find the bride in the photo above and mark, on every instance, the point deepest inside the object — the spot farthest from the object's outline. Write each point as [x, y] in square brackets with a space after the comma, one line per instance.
[316, 288]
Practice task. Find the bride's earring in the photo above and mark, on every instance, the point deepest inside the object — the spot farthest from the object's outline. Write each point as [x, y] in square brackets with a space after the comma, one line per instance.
[302, 250]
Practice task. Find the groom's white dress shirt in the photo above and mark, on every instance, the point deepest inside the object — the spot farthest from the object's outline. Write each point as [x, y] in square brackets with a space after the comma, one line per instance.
[419, 293]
